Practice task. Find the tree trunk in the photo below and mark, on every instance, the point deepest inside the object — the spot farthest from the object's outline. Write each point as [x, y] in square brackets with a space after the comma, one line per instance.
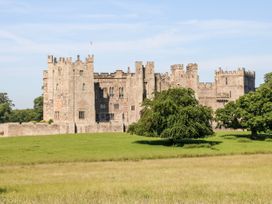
[253, 133]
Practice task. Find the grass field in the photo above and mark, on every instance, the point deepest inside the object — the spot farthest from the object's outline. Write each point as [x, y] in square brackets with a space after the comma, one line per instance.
[121, 146]
[222, 179]
[123, 168]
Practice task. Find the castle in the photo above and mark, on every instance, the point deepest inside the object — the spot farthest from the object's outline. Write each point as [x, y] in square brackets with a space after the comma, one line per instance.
[79, 100]
[84, 101]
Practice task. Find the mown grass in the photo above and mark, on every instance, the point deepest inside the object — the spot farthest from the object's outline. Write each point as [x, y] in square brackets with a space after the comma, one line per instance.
[121, 146]
[222, 179]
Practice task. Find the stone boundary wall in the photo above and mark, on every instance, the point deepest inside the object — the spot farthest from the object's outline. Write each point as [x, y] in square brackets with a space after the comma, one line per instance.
[33, 129]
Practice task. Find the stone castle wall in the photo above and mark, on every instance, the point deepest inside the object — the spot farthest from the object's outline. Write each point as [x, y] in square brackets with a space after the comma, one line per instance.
[33, 129]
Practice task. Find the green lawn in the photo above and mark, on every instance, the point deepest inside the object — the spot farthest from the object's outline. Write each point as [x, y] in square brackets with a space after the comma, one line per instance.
[120, 146]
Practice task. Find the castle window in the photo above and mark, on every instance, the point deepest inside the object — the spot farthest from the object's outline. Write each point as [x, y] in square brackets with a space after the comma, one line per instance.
[83, 86]
[80, 72]
[121, 92]
[116, 106]
[81, 115]
[56, 115]
[102, 106]
[226, 81]
[105, 92]
[57, 86]
[230, 94]
[111, 115]
[132, 108]
[111, 91]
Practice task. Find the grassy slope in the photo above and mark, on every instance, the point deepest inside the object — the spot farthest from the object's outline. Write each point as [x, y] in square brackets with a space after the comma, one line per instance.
[117, 146]
[223, 179]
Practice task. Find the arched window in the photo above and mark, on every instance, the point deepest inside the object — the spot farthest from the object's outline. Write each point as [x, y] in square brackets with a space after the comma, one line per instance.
[57, 86]
[121, 92]
[226, 81]
[111, 92]
[83, 86]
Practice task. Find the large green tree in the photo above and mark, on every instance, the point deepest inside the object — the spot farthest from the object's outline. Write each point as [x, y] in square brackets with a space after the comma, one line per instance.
[252, 110]
[174, 114]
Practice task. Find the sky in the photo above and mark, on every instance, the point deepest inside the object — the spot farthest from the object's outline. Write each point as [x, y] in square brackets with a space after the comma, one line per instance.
[212, 33]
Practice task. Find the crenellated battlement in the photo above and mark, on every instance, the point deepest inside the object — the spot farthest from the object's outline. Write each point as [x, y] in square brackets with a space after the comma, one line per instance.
[205, 85]
[192, 67]
[116, 74]
[239, 71]
[68, 60]
[150, 63]
[176, 67]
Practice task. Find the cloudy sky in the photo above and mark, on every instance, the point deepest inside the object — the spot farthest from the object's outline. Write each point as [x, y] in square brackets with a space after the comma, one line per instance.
[212, 33]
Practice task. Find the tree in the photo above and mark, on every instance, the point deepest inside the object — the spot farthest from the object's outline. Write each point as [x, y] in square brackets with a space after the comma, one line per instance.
[228, 116]
[268, 77]
[38, 108]
[23, 115]
[255, 109]
[174, 114]
[5, 107]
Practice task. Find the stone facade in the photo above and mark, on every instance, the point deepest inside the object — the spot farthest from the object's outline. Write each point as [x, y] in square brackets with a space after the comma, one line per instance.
[76, 95]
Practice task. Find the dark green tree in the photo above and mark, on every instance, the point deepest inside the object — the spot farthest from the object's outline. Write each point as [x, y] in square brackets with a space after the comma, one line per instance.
[268, 77]
[255, 109]
[228, 116]
[22, 115]
[5, 107]
[38, 108]
[174, 114]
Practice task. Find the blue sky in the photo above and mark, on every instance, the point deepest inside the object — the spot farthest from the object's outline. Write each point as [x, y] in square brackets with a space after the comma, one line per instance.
[227, 34]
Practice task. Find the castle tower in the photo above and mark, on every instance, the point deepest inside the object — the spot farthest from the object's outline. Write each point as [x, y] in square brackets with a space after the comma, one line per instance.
[149, 80]
[230, 85]
[69, 91]
[178, 77]
[192, 77]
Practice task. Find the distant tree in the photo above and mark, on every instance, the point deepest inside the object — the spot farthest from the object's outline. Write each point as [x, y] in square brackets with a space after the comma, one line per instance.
[268, 77]
[5, 107]
[22, 115]
[174, 114]
[228, 116]
[38, 108]
[5, 99]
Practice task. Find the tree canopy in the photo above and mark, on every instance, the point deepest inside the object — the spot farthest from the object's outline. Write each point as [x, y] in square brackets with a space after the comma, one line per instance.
[174, 114]
[5, 107]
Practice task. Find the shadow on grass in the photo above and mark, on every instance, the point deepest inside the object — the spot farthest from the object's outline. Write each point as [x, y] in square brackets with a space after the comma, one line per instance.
[3, 190]
[260, 137]
[188, 143]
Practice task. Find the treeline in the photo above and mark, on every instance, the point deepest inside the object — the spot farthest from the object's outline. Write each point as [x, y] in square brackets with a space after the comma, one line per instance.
[8, 114]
